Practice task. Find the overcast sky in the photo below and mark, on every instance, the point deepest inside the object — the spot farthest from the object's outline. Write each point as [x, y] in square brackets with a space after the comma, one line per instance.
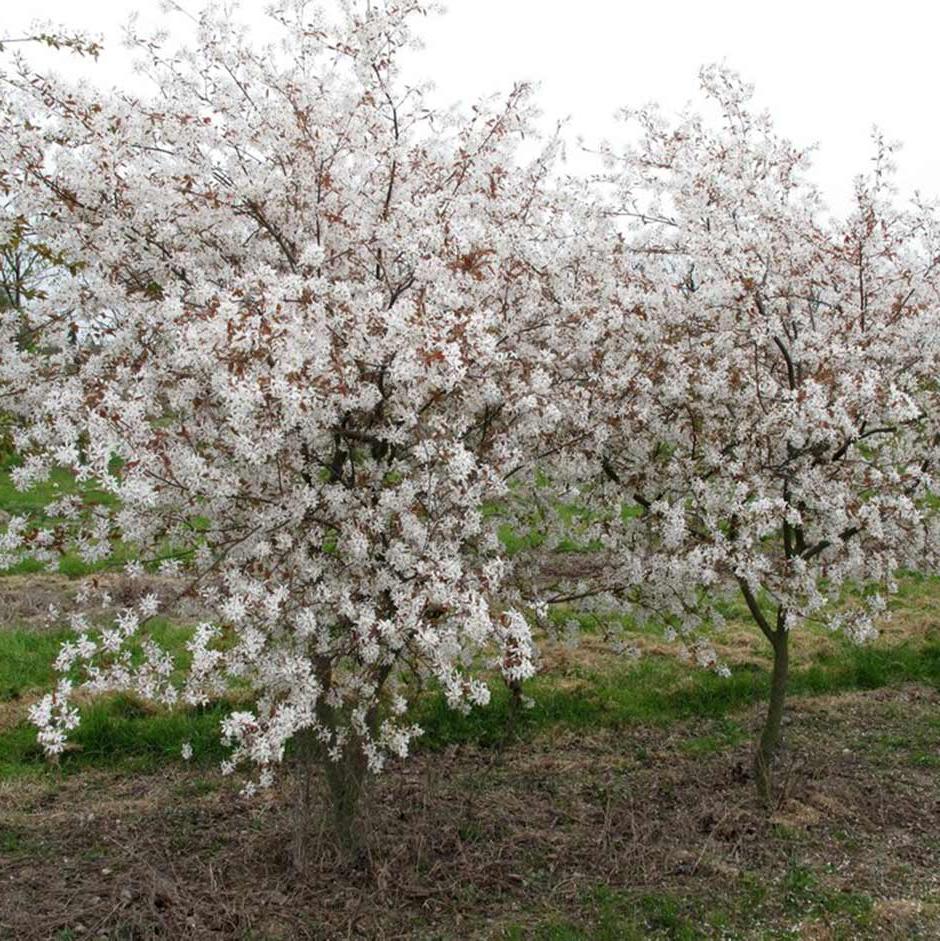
[827, 69]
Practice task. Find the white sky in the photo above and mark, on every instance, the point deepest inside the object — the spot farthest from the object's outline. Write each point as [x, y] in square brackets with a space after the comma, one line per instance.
[827, 69]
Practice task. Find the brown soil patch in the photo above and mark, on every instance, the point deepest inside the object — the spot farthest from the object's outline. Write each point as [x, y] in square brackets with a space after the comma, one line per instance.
[25, 599]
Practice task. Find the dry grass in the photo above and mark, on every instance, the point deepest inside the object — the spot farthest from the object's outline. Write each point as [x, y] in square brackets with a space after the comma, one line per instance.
[568, 829]
[25, 599]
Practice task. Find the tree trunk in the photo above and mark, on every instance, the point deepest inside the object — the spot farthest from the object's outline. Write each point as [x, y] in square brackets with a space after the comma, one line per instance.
[339, 785]
[305, 769]
[770, 738]
[345, 781]
[514, 711]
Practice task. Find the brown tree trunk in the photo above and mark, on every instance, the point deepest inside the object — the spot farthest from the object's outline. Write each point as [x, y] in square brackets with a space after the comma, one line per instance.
[341, 782]
[345, 780]
[334, 787]
[770, 739]
[305, 771]
[514, 711]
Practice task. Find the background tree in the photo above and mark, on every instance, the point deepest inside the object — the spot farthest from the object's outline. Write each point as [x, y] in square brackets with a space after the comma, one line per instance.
[25, 263]
[759, 390]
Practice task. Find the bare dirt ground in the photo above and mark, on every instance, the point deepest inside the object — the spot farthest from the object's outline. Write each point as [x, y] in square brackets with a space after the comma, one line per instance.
[25, 600]
[480, 844]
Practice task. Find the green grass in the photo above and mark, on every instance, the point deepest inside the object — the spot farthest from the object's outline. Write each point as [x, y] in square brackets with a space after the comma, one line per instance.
[119, 732]
[805, 893]
[33, 502]
[525, 527]
[26, 659]
[26, 656]
[657, 689]
[653, 690]
[744, 910]
[73, 566]
[724, 734]
[115, 730]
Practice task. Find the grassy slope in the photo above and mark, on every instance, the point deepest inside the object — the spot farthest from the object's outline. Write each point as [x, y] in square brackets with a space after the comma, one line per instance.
[33, 503]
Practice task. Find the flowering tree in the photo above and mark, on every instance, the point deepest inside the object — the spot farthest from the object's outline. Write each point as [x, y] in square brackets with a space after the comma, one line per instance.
[759, 389]
[25, 262]
[313, 336]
